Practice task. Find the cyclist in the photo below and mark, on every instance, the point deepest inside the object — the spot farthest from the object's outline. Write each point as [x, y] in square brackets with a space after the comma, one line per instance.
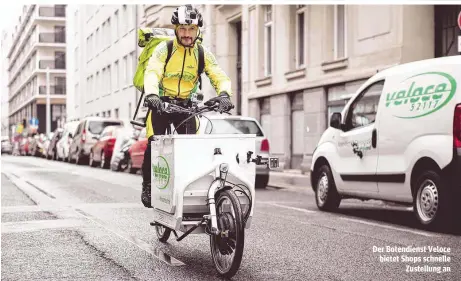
[177, 79]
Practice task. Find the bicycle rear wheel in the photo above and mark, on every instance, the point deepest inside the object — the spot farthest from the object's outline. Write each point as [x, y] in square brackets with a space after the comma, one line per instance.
[227, 247]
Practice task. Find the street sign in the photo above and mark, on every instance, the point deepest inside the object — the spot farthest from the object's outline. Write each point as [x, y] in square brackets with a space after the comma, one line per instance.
[33, 122]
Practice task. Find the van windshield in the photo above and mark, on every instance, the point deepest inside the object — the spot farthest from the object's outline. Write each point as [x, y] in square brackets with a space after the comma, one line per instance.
[96, 127]
[233, 126]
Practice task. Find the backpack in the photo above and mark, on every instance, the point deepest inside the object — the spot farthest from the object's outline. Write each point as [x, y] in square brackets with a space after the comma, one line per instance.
[149, 38]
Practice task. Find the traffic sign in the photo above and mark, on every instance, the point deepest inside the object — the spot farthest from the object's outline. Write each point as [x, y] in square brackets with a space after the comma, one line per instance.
[33, 122]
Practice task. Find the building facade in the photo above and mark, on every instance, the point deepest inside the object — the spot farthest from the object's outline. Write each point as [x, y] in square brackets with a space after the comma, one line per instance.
[6, 42]
[292, 66]
[102, 57]
[38, 43]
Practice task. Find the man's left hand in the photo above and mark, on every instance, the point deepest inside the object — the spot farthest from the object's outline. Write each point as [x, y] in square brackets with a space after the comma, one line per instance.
[225, 103]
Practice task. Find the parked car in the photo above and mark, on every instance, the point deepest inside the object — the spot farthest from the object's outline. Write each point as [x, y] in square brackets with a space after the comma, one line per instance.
[7, 147]
[101, 152]
[228, 124]
[24, 145]
[126, 137]
[136, 152]
[63, 144]
[83, 139]
[51, 152]
[405, 147]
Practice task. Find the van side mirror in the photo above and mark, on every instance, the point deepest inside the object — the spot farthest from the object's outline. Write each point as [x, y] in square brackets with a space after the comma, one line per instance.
[70, 135]
[335, 120]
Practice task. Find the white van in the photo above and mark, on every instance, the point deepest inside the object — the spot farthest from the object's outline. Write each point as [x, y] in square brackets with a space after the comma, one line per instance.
[398, 139]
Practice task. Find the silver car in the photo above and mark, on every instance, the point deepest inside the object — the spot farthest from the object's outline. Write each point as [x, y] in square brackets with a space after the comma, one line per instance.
[222, 124]
[85, 137]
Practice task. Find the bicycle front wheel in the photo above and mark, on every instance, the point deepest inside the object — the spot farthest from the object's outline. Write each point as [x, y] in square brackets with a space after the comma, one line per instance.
[227, 246]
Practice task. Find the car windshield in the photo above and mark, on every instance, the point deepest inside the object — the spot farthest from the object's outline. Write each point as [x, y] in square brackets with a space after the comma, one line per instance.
[233, 126]
[96, 127]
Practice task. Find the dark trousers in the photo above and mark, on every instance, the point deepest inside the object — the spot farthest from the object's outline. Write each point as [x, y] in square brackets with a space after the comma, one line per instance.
[160, 122]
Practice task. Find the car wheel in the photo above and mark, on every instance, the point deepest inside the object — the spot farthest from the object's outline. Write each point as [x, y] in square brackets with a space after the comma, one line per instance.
[433, 203]
[130, 167]
[69, 157]
[91, 162]
[326, 194]
[261, 181]
[103, 160]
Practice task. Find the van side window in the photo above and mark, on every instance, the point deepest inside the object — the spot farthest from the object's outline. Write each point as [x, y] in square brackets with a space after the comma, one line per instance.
[363, 110]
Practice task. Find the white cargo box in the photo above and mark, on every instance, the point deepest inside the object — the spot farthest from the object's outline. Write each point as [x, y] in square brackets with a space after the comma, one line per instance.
[183, 168]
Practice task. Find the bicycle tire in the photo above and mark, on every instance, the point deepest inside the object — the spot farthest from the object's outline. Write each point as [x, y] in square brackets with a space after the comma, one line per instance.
[239, 233]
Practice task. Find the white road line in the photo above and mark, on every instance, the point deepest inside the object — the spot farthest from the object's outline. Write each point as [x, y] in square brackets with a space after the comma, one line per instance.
[392, 227]
[23, 226]
[170, 260]
[288, 207]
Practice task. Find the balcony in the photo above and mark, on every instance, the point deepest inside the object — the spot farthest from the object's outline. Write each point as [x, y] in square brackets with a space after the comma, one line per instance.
[52, 64]
[59, 12]
[51, 37]
[54, 90]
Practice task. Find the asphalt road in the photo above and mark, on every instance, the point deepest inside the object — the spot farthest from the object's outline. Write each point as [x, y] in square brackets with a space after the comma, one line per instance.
[61, 221]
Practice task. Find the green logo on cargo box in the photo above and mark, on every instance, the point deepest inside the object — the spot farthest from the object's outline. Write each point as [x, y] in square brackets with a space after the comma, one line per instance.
[424, 94]
[161, 171]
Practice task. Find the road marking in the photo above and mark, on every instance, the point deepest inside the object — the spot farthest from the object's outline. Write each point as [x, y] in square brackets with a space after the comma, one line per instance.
[156, 252]
[288, 207]
[25, 226]
[55, 208]
[391, 227]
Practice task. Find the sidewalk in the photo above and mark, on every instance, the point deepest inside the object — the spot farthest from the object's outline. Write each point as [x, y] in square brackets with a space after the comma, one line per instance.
[290, 179]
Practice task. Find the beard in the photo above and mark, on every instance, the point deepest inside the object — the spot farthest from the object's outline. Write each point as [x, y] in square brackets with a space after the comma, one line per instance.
[186, 41]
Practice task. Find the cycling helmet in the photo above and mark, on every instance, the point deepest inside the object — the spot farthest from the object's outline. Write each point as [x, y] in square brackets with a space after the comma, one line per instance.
[187, 15]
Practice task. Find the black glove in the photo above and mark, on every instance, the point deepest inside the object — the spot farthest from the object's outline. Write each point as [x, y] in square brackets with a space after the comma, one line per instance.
[224, 101]
[153, 101]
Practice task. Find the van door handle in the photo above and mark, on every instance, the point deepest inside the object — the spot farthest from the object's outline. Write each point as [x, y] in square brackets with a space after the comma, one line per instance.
[373, 138]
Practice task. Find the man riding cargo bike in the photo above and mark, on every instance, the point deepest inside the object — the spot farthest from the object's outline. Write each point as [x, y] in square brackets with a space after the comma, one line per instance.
[196, 184]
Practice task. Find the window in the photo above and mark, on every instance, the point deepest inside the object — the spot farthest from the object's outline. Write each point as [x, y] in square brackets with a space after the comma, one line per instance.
[88, 47]
[267, 40]
[97, 43]
[116, 26]
[96, 88]
[363, 110]
[103, 114]
[103, 81]
[76, 58]
[109, 80]
[116, 113]
[76, 95]
[339, 31]
[108, 113]
[108, 33]
[116, 76]
[124, 71]
[300, 35]
[124, 15]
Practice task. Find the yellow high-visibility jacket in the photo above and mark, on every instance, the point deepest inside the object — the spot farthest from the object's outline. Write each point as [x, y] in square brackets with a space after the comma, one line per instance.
[180, 77]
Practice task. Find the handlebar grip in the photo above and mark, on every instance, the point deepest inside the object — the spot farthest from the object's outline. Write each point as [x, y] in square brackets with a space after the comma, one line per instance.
[136, 123]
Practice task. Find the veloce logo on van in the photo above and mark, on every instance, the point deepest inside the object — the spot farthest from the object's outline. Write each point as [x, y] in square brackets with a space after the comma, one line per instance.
[418, 100]
[161, 172]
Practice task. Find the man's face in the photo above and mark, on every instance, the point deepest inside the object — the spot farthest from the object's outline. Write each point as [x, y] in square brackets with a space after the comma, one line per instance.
[187, 34]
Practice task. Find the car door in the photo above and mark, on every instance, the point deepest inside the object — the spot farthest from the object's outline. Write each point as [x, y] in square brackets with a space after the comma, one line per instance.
[138, 148]
[358, 159]
[75, 141]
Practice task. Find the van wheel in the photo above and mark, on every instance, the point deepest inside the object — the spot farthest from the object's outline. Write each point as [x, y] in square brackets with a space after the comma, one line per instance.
[432, 201]
[326, 195]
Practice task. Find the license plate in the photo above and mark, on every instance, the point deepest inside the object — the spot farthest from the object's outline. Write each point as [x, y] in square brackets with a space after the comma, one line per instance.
[273, 162]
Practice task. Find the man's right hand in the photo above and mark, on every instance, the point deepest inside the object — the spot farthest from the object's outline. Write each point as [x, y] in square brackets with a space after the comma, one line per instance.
[153, 102]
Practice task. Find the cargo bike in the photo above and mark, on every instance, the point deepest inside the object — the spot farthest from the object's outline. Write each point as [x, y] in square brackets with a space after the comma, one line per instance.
[205, 184]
